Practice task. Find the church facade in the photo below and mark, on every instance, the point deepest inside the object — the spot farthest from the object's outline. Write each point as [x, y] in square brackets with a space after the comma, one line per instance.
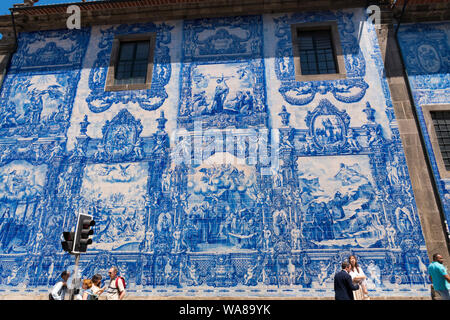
[244, 153]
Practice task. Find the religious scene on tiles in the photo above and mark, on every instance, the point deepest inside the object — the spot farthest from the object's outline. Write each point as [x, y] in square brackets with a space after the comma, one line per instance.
[281, 208]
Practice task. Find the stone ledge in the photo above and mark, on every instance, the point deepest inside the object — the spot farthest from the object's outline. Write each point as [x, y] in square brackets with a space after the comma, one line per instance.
[424, 12]
[26, 20]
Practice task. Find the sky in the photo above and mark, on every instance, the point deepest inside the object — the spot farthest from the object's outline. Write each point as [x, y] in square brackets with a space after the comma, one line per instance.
[6, 4]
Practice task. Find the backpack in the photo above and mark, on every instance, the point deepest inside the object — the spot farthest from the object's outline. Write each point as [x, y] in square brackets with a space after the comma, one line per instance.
[91, 295]
[123, 281]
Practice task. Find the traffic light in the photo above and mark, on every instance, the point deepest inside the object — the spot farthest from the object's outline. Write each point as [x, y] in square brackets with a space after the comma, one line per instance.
[83, 231]
[67, 244]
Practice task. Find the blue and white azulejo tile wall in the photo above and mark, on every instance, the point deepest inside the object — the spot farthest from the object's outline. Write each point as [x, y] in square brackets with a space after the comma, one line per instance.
[227, 178]
[426, 52]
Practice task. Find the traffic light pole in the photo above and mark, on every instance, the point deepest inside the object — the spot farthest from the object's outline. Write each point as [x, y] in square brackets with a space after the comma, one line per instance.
[75, 276]
[76, 243]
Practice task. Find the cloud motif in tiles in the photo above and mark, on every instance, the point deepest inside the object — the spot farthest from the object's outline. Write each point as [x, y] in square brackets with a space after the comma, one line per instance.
[117, 193]
[19, 180]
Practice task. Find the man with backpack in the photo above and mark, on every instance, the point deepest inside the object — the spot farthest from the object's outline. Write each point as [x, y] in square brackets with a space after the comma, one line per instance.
[116, 287]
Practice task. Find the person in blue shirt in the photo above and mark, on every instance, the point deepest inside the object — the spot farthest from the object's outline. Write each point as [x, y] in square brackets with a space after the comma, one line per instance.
[439, 277]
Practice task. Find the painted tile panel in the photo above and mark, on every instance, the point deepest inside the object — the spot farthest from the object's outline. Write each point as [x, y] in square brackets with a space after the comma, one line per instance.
[427, 60]
[226, 178]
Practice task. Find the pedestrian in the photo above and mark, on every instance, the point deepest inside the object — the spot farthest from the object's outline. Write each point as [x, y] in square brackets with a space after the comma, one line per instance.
[439, 278]
[60, 288]
[116, 286]
[97, 284]
[358, 277]
[87, 293]
[85, 285]
[343, 284]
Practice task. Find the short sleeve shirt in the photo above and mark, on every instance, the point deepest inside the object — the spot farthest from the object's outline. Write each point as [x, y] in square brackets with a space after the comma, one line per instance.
[112, 293]
[437, 272]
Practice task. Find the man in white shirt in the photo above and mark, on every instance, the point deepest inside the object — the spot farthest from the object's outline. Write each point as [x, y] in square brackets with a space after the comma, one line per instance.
[116, 288]
[60, 288]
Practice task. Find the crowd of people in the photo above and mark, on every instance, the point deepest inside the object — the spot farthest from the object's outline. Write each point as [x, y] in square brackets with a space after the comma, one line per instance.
[91, 289]
[349, 283]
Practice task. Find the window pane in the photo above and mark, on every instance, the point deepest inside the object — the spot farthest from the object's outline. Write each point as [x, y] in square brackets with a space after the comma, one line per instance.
[306, 42]
[140, 69]
[124, 66]
[440, 118]
[316, 52]
[124, 70]
[126, 51]
[132, 65]
[142, 50]
[323, 40]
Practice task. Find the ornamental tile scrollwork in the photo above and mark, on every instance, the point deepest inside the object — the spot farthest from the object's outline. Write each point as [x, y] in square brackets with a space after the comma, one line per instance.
[100, 100]
[379, 63]
[120, 135]
[222, 38]
[329, 132]
[50, 50]
[428, 55]
[303, 93]
[350, 90]
[427, 60]
[121, 141]
[328, 126]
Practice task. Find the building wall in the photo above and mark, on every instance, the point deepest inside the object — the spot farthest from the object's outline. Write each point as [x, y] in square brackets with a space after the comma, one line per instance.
[178, 209]
[426, 52]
